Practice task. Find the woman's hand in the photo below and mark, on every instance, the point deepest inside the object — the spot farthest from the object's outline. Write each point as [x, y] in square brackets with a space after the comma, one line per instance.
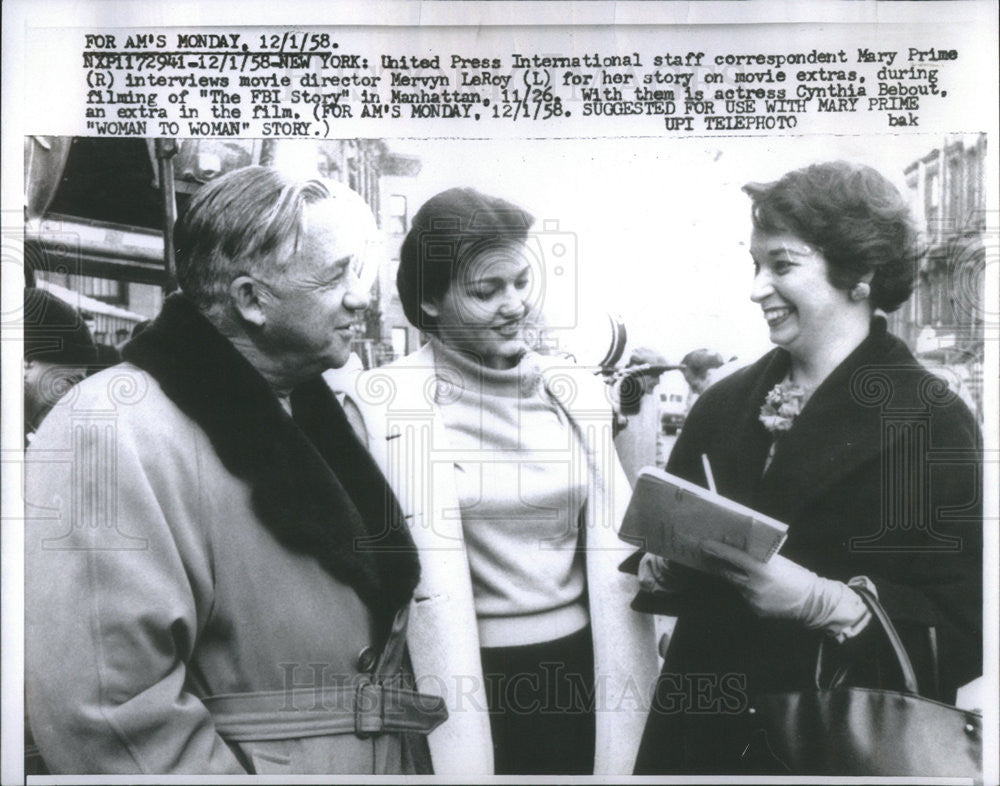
[784, 589]
[659, 576]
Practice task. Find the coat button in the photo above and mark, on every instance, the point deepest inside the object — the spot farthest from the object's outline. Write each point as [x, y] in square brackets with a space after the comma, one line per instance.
[366, 660]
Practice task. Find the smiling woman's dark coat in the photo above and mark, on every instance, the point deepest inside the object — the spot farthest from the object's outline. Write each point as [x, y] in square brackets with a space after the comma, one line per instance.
[879, 477]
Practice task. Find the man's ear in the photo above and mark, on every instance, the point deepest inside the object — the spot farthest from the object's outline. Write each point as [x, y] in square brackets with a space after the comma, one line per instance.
[245, 294]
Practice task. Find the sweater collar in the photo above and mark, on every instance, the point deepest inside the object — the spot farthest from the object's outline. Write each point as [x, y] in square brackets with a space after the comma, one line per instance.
[313, 484]
[461, 370]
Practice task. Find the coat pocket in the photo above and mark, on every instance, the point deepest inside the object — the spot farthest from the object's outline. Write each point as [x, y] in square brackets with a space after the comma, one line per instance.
[270, 762]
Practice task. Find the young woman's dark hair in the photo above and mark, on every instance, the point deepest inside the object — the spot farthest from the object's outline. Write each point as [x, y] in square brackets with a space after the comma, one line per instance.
[449, 230]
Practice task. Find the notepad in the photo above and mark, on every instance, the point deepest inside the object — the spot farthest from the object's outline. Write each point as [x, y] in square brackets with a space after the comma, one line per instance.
[670, 517]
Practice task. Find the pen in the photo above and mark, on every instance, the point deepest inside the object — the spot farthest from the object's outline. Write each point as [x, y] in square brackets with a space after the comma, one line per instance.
[708, 473]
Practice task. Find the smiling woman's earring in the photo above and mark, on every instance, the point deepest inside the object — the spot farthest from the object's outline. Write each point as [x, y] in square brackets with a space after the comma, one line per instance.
[860, 291]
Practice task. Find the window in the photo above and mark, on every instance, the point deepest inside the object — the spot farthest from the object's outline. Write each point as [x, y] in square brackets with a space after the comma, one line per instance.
[397, 214]
[954, 209]
[399, 341]
[99, 288]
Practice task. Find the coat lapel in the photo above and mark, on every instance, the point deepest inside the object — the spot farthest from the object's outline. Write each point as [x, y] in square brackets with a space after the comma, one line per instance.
[738, 474]
[302, 473]
[416, 456]
[839, 429]
[385, 537]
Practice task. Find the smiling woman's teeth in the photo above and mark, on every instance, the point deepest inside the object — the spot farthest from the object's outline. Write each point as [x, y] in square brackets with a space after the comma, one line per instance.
[775, 316]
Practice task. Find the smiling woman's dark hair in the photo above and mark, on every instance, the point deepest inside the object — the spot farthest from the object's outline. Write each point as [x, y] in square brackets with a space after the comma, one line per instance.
[447, 232]
[854, 216]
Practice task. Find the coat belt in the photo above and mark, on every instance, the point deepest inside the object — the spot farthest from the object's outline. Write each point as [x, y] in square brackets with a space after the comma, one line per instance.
[365, 709]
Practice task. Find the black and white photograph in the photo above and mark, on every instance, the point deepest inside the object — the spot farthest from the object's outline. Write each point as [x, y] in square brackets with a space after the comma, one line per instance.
[596, 396]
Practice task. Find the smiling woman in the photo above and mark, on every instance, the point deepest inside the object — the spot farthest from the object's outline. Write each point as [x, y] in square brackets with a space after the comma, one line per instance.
[815, 321]
[831, 433]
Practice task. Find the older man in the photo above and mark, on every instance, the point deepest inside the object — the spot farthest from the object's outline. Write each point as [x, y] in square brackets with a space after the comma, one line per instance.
[217, 573]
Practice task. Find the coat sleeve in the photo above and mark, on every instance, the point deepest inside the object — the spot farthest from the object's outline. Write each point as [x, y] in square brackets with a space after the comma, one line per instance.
[112, 614]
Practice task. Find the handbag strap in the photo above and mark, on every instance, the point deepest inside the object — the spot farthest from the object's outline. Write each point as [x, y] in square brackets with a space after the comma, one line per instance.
[902, 657]
[935, 668]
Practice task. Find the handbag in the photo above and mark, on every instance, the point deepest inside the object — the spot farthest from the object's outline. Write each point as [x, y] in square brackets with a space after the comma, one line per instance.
[852, 731]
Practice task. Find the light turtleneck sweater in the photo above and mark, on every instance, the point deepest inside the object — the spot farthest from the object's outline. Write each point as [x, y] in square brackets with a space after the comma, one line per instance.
[521, 477]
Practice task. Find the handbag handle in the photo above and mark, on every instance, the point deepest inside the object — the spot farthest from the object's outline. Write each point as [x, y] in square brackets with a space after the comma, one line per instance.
[902, 657]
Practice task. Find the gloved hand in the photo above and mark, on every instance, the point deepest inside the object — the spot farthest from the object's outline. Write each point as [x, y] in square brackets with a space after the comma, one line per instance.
[659, 576]
[784, 589]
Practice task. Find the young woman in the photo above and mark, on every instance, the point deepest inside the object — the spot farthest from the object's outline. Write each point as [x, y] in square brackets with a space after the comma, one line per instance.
[508, 475]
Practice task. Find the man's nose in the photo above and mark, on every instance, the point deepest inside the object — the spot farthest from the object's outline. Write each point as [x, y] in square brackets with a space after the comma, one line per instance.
[356, 298]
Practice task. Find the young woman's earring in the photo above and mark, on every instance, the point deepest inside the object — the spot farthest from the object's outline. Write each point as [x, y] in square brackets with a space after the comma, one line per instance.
[860, 291]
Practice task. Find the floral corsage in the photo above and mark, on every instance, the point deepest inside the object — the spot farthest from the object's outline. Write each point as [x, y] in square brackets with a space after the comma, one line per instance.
[781, 406]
